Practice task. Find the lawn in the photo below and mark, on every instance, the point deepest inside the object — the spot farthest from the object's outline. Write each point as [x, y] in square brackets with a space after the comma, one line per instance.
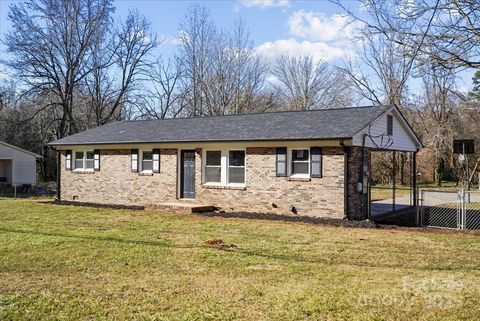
[68, 263]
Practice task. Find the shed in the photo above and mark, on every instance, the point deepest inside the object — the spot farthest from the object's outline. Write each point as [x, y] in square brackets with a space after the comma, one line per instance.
[17, 166]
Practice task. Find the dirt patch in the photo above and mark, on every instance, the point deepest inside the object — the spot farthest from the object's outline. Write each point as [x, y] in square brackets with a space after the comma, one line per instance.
[219, 244]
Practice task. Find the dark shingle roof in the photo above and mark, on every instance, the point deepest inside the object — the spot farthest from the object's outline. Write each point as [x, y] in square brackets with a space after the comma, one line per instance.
[297, 125]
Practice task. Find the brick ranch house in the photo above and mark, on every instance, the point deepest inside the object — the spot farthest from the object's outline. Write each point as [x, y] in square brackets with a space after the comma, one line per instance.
[311, 163]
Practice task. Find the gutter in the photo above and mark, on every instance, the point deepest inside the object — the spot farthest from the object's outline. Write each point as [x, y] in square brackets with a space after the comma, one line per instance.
[53, 144]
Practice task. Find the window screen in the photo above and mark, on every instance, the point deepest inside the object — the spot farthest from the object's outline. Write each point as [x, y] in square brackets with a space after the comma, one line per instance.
[300, 161]
[89, 161]
[147, 163]
[213, 167]
[236, 166]
[79, 160]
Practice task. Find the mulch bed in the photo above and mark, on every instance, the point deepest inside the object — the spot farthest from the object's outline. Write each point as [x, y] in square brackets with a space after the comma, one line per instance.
[291, 218]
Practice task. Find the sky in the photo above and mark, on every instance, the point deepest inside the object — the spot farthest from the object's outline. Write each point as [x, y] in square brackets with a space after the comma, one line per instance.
[292, 27]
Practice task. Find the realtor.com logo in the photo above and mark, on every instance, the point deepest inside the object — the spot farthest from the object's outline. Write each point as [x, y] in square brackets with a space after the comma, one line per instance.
[439, 293]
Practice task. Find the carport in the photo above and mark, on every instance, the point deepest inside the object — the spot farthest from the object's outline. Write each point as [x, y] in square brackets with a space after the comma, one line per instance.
[392, 185]
[6, 171]
[388, 165]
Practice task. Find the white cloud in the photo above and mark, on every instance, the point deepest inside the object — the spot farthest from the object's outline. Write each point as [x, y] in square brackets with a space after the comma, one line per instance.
[316, 26]
[295, 48]
[265, 3]
[315, 34]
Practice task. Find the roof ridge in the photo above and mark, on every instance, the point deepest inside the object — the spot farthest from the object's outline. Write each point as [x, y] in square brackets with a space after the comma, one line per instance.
[261, 113]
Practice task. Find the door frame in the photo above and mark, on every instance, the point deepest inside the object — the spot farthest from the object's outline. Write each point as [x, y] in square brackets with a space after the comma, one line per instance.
[180, 173]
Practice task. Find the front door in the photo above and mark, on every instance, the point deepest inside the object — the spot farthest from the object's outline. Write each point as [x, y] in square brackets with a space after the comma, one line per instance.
[187, 174]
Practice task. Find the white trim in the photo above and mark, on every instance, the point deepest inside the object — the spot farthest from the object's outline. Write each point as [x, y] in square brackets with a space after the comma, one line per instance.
[400, 118]
[290, 162]
[244, 167]
[140, 161]
[204, 168]
[212, 145]
[224, 167]
[84, 160]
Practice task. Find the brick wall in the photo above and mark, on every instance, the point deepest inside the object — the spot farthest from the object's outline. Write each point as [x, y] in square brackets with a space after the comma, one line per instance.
[268, 193]
[357, 202]
[116, 184]
[264, 192]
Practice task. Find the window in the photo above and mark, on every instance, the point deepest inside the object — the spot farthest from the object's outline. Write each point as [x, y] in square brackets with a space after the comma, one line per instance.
[89, 160]
[147, 161]
[213, 166]
[79, 160]
[224, 167]
[236, 166]
[84, 160]
[300, 162]
[389, 125]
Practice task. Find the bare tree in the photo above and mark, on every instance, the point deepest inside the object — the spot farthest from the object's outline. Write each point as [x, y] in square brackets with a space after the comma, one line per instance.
[117, 66]
[164, 98]
[249, 70]
[218, 84]
[50, 47]
[236, 74]
[307, 84]
[197, 36]
[444, 31]
[437, 117]
[381, 71]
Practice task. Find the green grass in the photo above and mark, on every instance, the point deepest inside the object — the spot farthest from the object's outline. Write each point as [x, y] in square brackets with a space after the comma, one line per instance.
[68, 263]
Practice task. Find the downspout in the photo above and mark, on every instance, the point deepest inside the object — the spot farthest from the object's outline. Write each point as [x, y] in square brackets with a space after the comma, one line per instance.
[58, 176]
[360, 175]
[345, 179]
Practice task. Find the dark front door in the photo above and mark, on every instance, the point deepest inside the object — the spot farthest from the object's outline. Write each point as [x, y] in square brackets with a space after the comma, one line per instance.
[187, 175]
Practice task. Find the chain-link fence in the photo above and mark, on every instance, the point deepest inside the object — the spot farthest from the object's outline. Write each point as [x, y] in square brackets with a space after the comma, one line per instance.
[439, 208]
[450, 209]
[471, 210]
[27, 190]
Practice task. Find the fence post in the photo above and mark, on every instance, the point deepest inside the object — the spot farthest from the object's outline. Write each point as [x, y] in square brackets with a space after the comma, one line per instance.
[418, 208]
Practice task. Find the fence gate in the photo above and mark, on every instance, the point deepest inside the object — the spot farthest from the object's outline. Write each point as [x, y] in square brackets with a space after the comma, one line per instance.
[450, 209]
[471, 210]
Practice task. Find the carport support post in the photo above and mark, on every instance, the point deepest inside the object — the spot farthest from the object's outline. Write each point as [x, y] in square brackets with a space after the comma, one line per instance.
[414, 178]
[394, 178]
[414, 187]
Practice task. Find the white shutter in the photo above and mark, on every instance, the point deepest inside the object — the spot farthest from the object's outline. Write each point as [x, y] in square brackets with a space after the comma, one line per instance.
[156, 161]
[134, 160]
[96, 160]
[68, 160]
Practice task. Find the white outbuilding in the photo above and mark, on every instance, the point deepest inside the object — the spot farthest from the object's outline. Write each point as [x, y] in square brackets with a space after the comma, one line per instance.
[17, 166]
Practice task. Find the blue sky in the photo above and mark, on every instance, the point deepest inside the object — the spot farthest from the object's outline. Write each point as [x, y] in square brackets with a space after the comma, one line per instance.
[292, 27]
[275, 25]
